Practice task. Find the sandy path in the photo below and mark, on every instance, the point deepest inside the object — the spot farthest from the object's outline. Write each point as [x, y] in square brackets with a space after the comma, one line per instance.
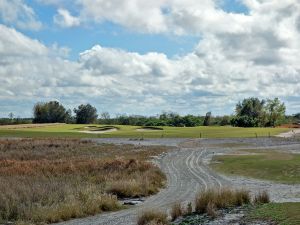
[188, 172]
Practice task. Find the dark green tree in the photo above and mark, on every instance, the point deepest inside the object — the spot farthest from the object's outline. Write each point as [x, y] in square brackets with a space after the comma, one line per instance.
[249, 113]
[207, 119]
[85, 114]
[49, 112]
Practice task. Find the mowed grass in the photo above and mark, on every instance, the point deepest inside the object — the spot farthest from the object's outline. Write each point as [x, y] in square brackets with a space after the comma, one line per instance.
[51, 180]
[281, 213]
[74, 131]
[274, 166]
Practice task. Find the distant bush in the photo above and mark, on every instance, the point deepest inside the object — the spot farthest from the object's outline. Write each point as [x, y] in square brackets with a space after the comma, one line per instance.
[15, 121]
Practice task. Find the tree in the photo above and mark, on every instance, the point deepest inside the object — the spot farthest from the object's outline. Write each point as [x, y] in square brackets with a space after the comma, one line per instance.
[253, 112]
[275, 111]
[105, 118]
[49, 112]
[85, 114]
[225, 120]
[207, 119]
[249, 113]
[11, 116]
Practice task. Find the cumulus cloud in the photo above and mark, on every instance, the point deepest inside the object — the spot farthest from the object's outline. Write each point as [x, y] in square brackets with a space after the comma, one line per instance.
[63, 18]
[164, 16]
[16, 12]
[238, 56]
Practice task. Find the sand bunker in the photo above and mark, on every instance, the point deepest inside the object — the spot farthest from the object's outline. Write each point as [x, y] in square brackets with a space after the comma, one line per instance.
[290, 134]
[99, 131]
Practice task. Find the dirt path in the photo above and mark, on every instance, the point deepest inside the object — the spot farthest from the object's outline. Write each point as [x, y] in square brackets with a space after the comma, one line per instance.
[187, 173]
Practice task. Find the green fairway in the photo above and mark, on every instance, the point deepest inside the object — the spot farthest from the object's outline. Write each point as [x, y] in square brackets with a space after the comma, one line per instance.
[274, 166]
[75, 131]
[281, 213]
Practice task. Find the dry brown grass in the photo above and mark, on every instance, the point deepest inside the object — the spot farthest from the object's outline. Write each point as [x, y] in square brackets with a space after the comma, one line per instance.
[152, 217]
[50, 180]
[211, 210]
[261, 198]
[177, 211]
[218, 199]
[189, 209]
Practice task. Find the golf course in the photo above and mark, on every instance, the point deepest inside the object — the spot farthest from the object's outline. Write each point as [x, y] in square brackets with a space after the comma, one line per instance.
[123, 131]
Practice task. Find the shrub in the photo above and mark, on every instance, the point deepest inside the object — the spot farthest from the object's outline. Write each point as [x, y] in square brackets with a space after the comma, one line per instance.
[153, 218]
[202, 200]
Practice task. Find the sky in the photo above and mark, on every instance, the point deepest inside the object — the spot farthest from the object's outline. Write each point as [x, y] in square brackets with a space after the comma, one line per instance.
[143, 57]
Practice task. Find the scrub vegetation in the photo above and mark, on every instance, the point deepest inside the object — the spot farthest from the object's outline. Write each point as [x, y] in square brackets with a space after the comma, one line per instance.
[208, 203]
[50, 180]
[211, 200]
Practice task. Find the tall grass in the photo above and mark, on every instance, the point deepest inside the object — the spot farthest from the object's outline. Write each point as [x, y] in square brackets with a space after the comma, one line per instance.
[153, 217]
[51, 180]
[176, 211]
[207, 201]
[261, 198]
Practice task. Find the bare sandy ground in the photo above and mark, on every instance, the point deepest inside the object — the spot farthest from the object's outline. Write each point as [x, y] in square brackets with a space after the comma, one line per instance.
[290, 134]
[188, 172]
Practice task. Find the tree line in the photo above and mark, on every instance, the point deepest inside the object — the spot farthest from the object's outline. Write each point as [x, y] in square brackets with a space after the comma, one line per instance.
[54, 112]
[251, 112]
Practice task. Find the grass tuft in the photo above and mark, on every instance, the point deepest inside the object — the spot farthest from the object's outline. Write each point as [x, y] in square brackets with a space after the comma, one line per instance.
[211, 210]
[261, 198]
[176, 211]
[153, 218]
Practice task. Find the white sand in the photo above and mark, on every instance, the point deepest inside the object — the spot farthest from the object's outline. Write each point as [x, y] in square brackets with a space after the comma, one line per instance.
[99, 131]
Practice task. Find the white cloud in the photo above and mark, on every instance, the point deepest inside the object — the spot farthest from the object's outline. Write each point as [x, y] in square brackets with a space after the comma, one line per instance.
[63, 18]
[238, 56]
[16, 12]
[134, 14]
[164, 16]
